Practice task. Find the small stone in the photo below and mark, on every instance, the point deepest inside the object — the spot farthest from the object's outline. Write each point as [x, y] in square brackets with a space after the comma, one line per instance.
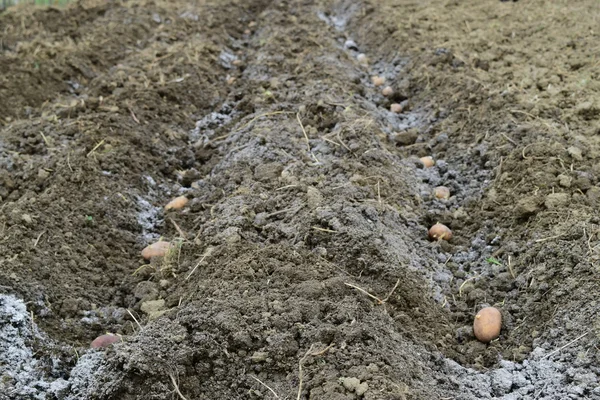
[527, 206]
[314, 197]
[320, 251]
[593, 195]
[43, 174]
[557, 200]
[564, 180]
[261, 219]
[259, 356]
[587, 109]
[459, 214]
[69, 307]
[575, 152]
[362, 59]
[153, 305]
[582, 183]
[146, 291]
[501, 381]
[164, 283]
[362, 389]
[231, 235]
[405, 138]
[351, 45]
[274, 83]
[60, 388]
[27, 219]
[269, 172]
[350, 383]
[387, 91]
[372, 368]
[154, 308]
[111, 109]
[442, 166]
[189, 176]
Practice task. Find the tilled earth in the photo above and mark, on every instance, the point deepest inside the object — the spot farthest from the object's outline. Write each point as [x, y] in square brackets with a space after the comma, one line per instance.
[301, 266]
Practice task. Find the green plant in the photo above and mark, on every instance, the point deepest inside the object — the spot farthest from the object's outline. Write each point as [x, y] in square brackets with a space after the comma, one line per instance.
[492, 260]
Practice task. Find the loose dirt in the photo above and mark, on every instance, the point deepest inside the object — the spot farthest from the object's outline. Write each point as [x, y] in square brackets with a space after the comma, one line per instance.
[301, 266]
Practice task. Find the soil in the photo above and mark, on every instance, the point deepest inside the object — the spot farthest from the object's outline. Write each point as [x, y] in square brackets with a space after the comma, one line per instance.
[301, 265]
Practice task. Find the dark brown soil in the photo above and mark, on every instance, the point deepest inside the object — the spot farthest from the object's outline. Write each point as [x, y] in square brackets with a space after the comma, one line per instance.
[302, 260]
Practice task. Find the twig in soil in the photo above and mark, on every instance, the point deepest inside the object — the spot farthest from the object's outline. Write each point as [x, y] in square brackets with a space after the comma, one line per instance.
[331, 141]
[512, 273]
[341, 186]
[306, 138]
[45, 139]
[379, 301]
[295, 210]
[365, 292]
[531, 116]
[265, 385]
[339, 137]
[263, 115]
[509, 139]
[589, 241]
[32, 324]
[499, 169]
[463, 284]
[566, 345]
[219, 138]
[133, 115]
[181, 233]
[286, 187]
[140, 269]
[525, 148]
[310, 352]
[135, 319]
[540, 393]
[197, 265]
[303, 131]
[100, 143]
[324, 230]
[548, 238]
[392, 291]
[38, 239]
[522, 324]
[69, 161]
[448, 260]
[176, 386]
